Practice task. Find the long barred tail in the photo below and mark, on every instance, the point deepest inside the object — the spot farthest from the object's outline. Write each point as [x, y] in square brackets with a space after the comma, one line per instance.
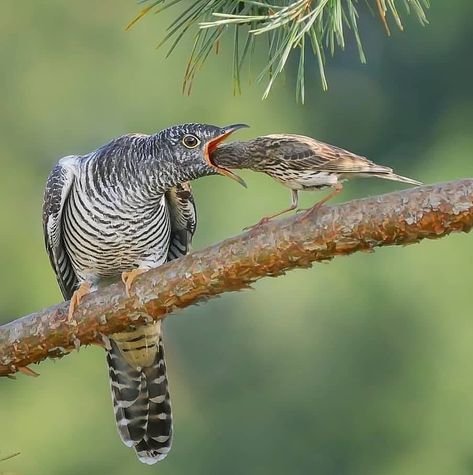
[140, 392]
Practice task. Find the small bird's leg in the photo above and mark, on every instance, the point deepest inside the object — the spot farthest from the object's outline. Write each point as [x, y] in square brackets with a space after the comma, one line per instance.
[294, 203]
[129, 277]
[336, 189]
[83, 289]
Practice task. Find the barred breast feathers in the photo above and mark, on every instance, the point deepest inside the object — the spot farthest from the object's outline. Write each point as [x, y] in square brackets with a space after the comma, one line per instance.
[115, 219]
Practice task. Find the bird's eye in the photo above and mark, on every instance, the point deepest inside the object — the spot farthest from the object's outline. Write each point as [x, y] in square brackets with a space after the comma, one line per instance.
[190, 141]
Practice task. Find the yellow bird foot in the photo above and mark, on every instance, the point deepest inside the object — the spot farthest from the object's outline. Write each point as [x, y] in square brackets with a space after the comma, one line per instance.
[83, 290]
[129, 277]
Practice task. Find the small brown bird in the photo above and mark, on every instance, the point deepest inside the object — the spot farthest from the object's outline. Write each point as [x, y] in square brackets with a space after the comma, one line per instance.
[300, 163]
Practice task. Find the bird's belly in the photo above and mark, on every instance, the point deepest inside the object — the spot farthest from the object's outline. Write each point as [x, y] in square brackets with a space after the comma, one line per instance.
[110, 258]
[302, 180]
[100, 247]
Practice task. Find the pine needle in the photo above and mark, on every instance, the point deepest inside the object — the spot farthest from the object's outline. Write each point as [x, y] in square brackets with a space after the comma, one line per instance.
[8, 457]
[287, 25]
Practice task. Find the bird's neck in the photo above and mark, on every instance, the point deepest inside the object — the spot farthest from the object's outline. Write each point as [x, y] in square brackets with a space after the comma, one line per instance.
[141, 167]
[167, 170]
[169, 174]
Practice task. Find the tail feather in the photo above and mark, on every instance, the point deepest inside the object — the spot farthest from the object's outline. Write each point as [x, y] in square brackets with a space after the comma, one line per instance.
[393, 177]
[140, 394]
[371, 169]
[361, 166]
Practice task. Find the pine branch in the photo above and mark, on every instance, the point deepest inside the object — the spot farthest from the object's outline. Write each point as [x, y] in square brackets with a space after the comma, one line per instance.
[8, 457]
[285, 28]
[401, 218]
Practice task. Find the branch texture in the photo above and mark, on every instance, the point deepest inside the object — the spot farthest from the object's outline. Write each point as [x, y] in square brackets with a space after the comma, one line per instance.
[400, 218]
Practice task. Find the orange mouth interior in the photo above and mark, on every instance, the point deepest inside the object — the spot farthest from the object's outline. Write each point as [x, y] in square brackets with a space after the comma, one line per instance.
[210, 147]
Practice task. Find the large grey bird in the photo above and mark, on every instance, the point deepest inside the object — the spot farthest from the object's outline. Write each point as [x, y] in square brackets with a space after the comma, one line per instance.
[120, 210]
[300, 163]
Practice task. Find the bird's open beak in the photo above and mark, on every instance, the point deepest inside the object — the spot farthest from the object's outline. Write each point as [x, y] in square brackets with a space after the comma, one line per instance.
[211, 145]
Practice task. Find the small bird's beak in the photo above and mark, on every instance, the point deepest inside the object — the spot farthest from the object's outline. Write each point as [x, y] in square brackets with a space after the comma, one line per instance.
[211, 145]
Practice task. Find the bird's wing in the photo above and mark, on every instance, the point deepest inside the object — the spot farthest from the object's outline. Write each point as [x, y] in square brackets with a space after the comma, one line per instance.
[183, 219]
[57, 190]
[306, 153]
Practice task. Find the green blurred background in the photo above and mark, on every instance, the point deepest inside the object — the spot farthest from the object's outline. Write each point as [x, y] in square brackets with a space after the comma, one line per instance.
[362, 366]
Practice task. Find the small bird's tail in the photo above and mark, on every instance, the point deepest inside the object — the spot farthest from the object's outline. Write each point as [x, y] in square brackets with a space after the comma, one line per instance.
[140, 392]
[386, 173]
[392, 176]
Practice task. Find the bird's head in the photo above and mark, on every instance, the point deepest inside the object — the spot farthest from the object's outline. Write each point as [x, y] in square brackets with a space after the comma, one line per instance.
[191, 146]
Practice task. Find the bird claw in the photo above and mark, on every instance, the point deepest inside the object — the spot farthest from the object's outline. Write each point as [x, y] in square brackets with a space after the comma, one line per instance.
[310, 212]
[83, 290]
[129, 277]
[261, 222]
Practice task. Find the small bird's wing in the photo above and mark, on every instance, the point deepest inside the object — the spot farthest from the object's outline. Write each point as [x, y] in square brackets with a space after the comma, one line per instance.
[305, 153]
[183, 219]
[56, 193]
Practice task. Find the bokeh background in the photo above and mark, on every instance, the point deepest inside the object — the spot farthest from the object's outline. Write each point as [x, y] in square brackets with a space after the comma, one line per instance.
[361, 366]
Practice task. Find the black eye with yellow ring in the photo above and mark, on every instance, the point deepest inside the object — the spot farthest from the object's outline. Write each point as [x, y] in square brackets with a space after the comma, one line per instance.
[190, 141]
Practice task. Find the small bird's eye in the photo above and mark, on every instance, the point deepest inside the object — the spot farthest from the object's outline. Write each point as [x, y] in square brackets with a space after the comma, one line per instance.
[190, 141]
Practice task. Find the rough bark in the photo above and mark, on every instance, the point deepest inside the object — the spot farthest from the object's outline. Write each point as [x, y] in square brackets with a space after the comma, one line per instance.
[401, 218]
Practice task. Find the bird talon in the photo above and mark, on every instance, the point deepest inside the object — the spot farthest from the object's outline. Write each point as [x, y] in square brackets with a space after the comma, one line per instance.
[261, 222]
[129, 277]
[83, 290]
[311, 212]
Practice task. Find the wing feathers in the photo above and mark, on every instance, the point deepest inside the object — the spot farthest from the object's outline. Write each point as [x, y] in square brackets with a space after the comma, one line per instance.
[57, 190]
[305, 153]
[183, 219]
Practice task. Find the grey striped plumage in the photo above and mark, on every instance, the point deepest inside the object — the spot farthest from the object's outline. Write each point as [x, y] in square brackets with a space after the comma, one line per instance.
[124, 206]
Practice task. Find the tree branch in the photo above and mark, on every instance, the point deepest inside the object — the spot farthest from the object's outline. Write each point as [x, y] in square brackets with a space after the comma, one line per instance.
[401, 218]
